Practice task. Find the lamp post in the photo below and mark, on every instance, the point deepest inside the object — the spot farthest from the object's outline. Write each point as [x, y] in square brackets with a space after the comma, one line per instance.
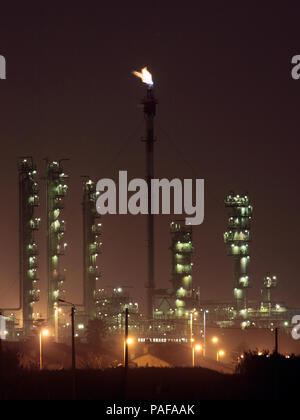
[197, 347]
[56, 313]
[43, 333]
[204, 331]
[126, 358]
[191, 335]
[220, 353]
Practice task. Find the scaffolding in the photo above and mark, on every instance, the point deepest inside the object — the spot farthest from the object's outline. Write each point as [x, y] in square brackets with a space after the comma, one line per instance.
[91, 247]
[28, 224]
[56, 227]
[237, 239]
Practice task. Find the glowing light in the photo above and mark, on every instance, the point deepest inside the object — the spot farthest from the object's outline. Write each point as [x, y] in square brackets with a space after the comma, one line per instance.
[129, 340]
[198, 347]
[144, 75]
[45, 332]
[215, 339]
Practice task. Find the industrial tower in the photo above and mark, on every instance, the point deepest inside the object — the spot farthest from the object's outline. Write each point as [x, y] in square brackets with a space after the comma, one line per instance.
[269, 282]
[182, 250]
[149, 103]
[56, 192]
[237, 239]
[91, 246]
[28, 224]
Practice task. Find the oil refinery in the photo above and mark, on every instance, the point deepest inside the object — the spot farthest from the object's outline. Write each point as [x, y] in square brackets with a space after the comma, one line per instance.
[174, 314]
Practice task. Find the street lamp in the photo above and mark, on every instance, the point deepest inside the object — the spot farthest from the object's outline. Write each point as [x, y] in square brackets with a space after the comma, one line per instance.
[220, 353]
[215, 340]
[43, 333]
[204, 331]
[197, 347]
[192, 313]
[128, 341]
[56, 313]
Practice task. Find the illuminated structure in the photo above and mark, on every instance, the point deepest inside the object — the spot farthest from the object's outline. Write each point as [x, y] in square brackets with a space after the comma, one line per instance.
[237, 239]
[91, 247]
[111, 304]
[182, 250]
[28, 224]
[149, 103]
[269, 282]
[56, 192]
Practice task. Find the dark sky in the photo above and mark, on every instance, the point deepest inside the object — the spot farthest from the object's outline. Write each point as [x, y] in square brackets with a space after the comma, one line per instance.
[228, 112]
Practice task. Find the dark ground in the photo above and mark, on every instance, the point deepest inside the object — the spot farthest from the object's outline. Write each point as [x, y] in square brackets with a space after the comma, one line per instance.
[259, 377]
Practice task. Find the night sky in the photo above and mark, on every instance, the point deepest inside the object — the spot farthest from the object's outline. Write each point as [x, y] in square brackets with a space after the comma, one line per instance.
[228, 112]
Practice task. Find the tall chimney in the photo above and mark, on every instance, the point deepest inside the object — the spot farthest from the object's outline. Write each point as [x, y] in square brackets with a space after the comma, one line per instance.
[149, 103]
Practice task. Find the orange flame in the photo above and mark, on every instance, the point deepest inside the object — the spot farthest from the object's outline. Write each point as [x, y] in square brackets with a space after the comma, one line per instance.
[145, 75]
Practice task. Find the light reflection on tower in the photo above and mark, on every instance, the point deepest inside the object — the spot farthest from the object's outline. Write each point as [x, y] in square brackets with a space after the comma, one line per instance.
[237, 239]
[56, 191]
[28, 224]
[91, 247]
[182, 250]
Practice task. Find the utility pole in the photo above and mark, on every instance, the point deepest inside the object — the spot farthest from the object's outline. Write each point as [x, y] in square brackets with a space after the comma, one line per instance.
[124, 381]
[73, 338]
[204, 333]
[73, 346]
[126, 341]
[276, 341]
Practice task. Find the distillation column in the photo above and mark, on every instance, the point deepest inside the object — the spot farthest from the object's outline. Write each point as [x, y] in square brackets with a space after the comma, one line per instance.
[56, 192]
[182, 251]
[28, 224]
[91, 247]
[237, 239]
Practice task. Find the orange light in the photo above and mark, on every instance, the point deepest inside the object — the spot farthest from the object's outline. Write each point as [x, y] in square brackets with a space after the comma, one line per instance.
[198, 347]
[215, 339]
[45, 332]
[221, 353]
[129, 340]
[144, 75]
